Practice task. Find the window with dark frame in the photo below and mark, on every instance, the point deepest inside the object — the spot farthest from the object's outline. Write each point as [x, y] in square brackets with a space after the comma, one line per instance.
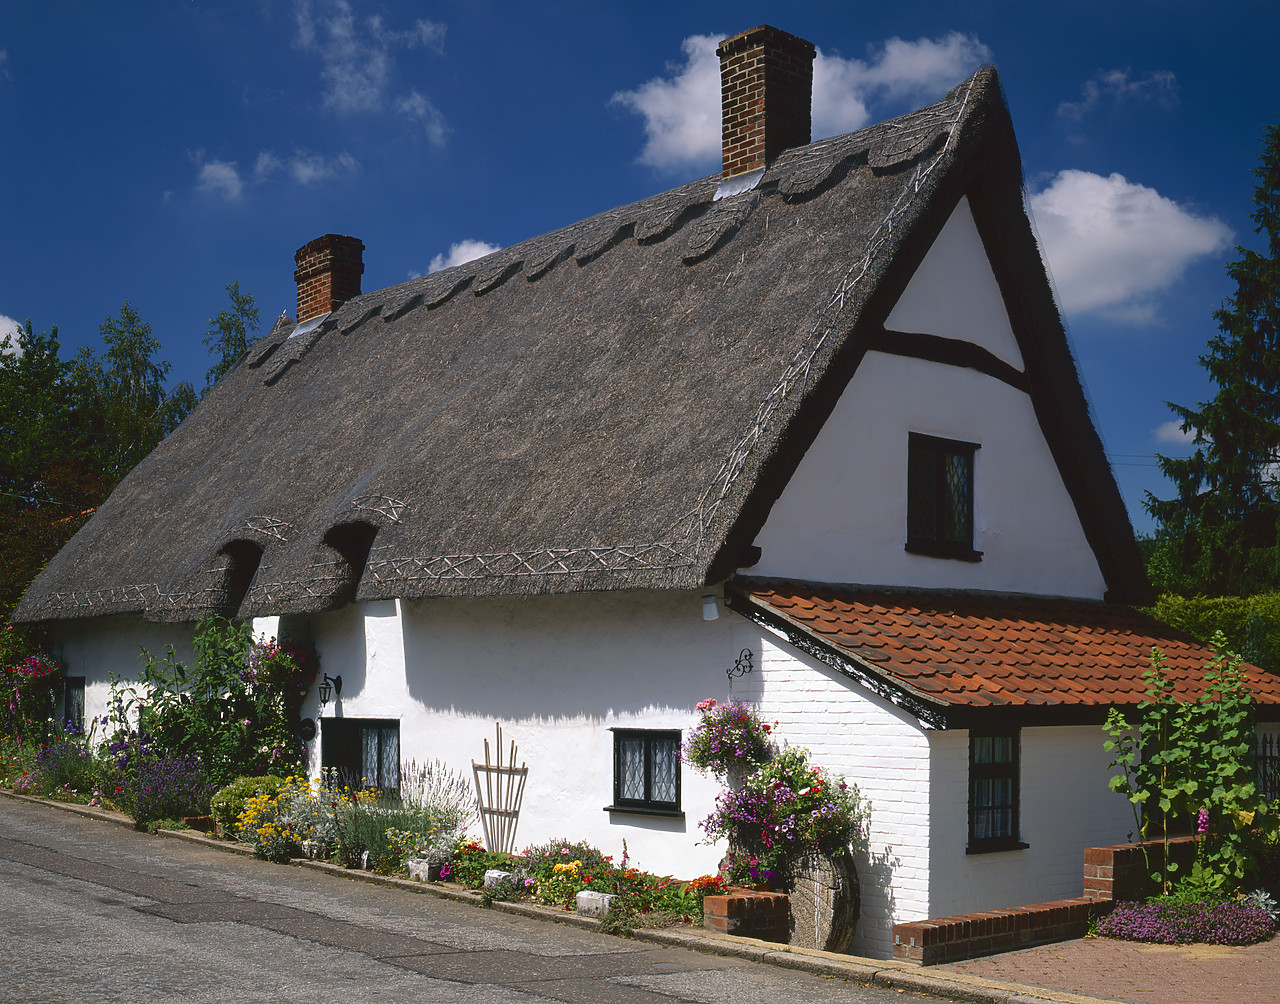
[73, 703]
[365, 752]
[940, 497]
[993, 791]
[646, 771]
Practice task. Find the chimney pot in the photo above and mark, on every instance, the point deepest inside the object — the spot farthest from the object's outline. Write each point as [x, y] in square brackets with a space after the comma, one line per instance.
[766, 94]
[328, 274]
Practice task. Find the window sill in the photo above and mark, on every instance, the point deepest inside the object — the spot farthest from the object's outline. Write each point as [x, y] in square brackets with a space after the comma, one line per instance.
[994, 846]
[933, 549]
[645, 810]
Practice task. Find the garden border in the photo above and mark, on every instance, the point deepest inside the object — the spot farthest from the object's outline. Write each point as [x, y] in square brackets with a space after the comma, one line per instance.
[884, 973]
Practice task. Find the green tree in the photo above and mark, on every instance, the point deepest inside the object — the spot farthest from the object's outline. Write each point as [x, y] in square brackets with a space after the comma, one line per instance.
[69, 431]
[49, 479]
[124, 389]
[228, 334]
[1221, 534]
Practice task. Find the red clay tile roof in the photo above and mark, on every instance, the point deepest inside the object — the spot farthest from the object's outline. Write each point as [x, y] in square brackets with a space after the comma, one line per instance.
[982, 650]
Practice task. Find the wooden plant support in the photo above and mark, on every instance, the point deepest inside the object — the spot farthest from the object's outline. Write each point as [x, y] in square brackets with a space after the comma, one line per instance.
[500, 795]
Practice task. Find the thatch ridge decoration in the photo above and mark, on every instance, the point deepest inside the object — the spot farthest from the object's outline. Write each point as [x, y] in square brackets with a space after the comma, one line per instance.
[391, 508]
[268, 525]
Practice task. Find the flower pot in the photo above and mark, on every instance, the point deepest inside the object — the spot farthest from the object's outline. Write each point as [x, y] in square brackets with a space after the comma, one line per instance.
[423, 869]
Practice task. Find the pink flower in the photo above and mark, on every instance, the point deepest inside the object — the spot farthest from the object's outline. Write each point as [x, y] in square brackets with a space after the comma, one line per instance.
[707, 705]
[1202, 821]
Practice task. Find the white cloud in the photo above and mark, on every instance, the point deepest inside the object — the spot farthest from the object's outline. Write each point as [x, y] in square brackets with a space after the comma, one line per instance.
[357, 55]
[268, 164]
[1171, 432]
[418, 108]
[460, 253]
[9, 328]
[682, 109]
[1113, 245]
[308, 168]
[1160, 86]
[220, 177]
[223, 178]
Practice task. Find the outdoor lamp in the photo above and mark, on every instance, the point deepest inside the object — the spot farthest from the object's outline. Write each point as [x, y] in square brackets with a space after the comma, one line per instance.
[330, 685]
[709, 609]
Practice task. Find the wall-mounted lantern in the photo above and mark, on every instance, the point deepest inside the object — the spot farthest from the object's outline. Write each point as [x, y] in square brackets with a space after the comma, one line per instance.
[332, 685]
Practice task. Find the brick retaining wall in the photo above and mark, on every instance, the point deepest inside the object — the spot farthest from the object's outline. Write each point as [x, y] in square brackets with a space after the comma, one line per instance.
[951, 939]
[1119, 872]
[749, 914]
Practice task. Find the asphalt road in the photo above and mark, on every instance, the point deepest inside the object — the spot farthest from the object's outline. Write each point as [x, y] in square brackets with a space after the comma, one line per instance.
[92, 912]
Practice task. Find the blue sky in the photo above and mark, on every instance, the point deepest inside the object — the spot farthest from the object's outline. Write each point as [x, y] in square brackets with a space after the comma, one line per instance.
[159, 149]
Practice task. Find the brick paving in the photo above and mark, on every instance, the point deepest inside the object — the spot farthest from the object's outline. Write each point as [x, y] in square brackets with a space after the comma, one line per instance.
[1143, 974]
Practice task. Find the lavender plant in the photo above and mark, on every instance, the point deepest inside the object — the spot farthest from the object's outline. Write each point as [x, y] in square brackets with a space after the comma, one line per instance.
[170, 787]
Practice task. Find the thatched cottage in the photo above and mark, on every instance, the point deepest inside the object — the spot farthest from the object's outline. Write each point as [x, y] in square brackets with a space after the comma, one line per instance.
[807, 432]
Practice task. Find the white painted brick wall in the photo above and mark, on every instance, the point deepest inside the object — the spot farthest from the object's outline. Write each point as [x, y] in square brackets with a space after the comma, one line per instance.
[876, 746]
[1066, 806]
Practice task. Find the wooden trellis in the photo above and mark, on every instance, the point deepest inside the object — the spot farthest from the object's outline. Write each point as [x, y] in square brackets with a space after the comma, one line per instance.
[500, 795]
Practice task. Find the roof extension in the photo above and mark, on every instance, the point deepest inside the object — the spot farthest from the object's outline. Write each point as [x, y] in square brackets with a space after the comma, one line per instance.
[615, 405]
[955, 659]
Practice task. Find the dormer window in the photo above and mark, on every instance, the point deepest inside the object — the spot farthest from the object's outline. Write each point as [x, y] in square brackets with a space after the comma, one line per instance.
[940, 497]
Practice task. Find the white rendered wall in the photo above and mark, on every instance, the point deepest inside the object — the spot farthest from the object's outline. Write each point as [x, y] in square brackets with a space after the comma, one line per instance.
[98, 647]
[876, 746]
[843, 516]
[1066, 807]
[954, 293]
[558, 672]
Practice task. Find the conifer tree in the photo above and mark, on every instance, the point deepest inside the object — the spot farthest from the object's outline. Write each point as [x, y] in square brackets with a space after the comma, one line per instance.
[1221, 534]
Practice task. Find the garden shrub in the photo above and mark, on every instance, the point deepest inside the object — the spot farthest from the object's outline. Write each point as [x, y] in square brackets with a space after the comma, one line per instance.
[1193, 759]
[263, 825]
[229, 802]
[237, 708]
[1167, 922]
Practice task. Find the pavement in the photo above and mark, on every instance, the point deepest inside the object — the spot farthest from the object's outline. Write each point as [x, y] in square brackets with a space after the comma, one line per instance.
[1076, 972]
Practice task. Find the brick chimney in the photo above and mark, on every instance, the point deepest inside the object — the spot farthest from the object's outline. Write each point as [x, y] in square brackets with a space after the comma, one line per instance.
[766, 94]
[328, 274]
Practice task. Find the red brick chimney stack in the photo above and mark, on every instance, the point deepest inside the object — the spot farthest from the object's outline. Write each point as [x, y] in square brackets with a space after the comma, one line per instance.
[766, 93]
[328, 274]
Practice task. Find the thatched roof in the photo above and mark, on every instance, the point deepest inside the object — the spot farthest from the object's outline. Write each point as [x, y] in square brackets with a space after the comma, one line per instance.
[615, 405]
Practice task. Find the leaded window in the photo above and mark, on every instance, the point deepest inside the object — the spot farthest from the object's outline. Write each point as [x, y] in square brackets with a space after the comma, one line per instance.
[646, 770]
[993, 791]
[940, 497]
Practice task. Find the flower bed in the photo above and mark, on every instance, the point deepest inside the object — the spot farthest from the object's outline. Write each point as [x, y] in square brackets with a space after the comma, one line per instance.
[1166, 922]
